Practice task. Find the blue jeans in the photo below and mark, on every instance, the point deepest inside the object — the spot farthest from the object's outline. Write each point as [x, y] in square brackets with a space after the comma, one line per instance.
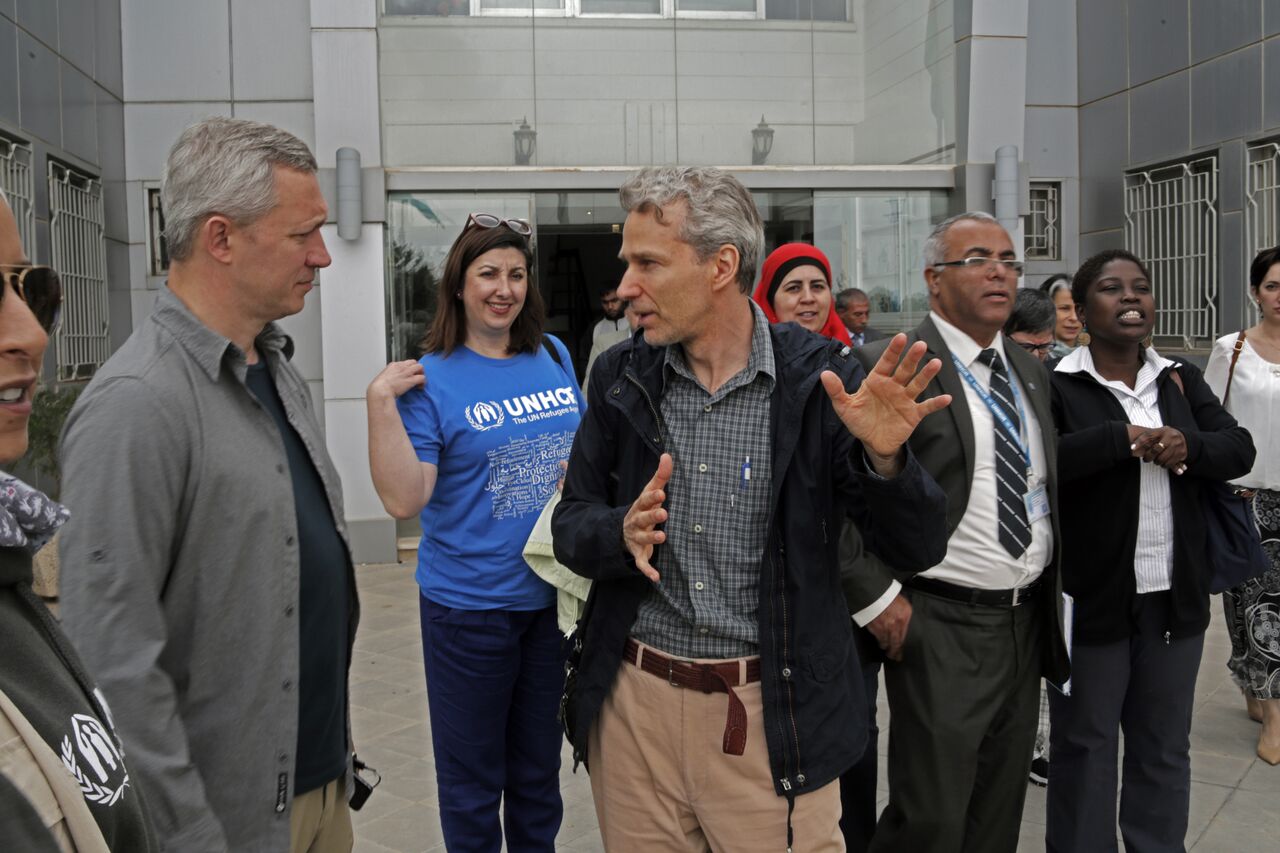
[493, 688]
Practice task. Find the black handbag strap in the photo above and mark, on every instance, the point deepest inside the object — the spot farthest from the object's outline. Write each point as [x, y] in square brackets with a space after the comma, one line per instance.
[555, 355]
[1231, 371]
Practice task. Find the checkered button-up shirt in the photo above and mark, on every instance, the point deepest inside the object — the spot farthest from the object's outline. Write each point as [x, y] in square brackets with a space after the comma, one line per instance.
[718, 509]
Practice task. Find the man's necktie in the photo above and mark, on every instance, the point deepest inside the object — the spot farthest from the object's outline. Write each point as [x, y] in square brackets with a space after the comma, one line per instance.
[1011, 468]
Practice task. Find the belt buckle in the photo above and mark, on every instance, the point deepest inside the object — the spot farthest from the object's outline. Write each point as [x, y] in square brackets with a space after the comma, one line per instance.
[671, 672]
[1017, 596]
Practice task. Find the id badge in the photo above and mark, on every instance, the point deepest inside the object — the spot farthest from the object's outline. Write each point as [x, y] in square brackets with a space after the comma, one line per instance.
[1037, 503]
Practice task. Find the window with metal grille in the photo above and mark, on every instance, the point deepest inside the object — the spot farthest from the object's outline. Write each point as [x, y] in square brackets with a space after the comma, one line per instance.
[157, 246]
[1044, 235]
[79, 255]
[18, 184]
[1261, 207]
[1171, 222]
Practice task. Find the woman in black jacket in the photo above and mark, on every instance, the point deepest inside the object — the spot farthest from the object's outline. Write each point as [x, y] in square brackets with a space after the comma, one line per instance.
[64, 784]
[1139, 435]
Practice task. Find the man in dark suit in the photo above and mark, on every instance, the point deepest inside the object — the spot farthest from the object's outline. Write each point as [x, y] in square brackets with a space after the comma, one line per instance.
[854, 310]
[968, 640]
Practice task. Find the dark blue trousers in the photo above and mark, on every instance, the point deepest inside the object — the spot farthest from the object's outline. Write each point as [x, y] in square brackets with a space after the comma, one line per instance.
[1143, 687]
[493, 688]
[858, 783]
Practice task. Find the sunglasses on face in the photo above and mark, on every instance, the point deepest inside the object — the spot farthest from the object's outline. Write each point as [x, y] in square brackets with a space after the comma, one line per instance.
[488, 220]
[39, 287]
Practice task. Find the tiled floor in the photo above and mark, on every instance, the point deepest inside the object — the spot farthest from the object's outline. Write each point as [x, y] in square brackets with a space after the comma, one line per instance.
[1233, 800]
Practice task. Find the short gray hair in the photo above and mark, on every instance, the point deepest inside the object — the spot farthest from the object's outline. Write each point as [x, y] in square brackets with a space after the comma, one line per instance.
[1033, 313]
[721, 211]
[224, 166]
[935, 249]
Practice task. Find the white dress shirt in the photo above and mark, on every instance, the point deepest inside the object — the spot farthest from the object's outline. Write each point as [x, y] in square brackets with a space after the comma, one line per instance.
[1254, 402]
[975, 557]
[1153, 555]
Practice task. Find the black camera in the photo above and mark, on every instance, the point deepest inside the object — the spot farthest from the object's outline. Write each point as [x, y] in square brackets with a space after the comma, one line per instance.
[364, 779]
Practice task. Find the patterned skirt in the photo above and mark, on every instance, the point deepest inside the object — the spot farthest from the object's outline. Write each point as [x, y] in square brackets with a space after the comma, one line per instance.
[1253, 611]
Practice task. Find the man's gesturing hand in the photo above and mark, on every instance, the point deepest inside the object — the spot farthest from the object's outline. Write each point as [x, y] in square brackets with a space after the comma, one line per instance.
[639, 533]
[884, 412]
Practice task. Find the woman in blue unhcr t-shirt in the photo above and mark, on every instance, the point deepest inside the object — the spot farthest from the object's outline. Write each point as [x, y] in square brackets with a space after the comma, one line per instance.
[472, 436]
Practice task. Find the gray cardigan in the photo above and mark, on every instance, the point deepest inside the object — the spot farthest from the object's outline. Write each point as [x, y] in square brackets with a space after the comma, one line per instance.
[180, 574]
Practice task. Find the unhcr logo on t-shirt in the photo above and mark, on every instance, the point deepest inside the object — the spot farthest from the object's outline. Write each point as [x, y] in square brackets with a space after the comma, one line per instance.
[541, 405]
[484, 415]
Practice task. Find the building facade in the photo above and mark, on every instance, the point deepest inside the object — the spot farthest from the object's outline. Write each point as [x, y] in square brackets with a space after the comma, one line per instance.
[857, 124]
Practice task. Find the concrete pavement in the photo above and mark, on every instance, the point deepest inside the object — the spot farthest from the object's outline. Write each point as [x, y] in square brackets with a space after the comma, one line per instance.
[1233, 798]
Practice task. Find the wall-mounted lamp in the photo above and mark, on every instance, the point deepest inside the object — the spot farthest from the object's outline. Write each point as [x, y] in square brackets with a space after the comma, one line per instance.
[761, 142]
[525, 138]
[350, 194]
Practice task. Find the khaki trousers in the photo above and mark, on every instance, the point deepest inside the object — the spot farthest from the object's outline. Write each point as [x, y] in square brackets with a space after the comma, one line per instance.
[320, 821]
[662, 782]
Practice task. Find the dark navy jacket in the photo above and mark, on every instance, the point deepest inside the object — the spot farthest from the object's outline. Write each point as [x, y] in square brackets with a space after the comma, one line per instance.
[814, 707]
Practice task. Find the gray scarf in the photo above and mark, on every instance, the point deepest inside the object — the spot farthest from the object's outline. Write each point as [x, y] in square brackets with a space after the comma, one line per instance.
[28, 517]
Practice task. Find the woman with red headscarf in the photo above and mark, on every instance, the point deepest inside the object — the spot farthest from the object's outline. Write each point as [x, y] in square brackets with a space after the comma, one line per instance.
[795, 287]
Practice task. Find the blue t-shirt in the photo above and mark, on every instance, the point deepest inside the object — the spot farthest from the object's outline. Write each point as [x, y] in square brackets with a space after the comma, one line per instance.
[496, 429]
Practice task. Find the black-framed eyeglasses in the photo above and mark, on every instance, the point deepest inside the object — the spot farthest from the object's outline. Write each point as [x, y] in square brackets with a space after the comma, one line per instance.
[488, 220]
[1036, 349]
[39, 287]
[983, 263]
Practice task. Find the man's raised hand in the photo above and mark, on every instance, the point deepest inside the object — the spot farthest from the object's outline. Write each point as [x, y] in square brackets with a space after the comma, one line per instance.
[639, 527]
[883, 412]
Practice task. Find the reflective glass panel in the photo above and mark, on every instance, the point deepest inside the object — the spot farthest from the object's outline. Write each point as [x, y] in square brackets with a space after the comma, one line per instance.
[732, 6]
[875, 242]
[621, 7]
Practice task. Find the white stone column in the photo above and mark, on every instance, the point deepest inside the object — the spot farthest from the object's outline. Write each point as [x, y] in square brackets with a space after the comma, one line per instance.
[344, 55]
[991, 94]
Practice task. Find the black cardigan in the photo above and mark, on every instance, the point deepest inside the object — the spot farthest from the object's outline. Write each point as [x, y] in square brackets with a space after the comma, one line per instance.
[1099, 493]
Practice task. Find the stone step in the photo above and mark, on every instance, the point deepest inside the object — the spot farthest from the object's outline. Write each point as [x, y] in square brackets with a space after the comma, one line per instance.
[407, 548]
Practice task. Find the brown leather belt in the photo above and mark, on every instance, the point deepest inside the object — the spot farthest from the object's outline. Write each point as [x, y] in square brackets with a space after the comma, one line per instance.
[703, 677]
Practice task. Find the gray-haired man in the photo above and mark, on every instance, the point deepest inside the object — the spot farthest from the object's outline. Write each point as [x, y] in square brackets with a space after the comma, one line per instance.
[968, 639]
[206, 575]
[718, 695]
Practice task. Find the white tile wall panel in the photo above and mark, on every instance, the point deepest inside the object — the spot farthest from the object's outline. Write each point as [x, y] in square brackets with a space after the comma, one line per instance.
[176, 51]
[352, 312]
[297, 117]
[344, 13]
[271, 49]
[345, 75]
[151, 129]
[347, 436]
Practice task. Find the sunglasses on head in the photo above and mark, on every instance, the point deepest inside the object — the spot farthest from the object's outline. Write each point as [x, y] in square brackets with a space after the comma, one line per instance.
[488, 220]
[37, 286]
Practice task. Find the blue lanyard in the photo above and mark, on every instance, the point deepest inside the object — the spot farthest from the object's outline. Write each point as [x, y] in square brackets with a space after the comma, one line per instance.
[996, 411]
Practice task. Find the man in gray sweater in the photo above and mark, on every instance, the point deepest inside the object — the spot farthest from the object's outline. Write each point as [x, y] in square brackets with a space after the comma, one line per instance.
[207, 580]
